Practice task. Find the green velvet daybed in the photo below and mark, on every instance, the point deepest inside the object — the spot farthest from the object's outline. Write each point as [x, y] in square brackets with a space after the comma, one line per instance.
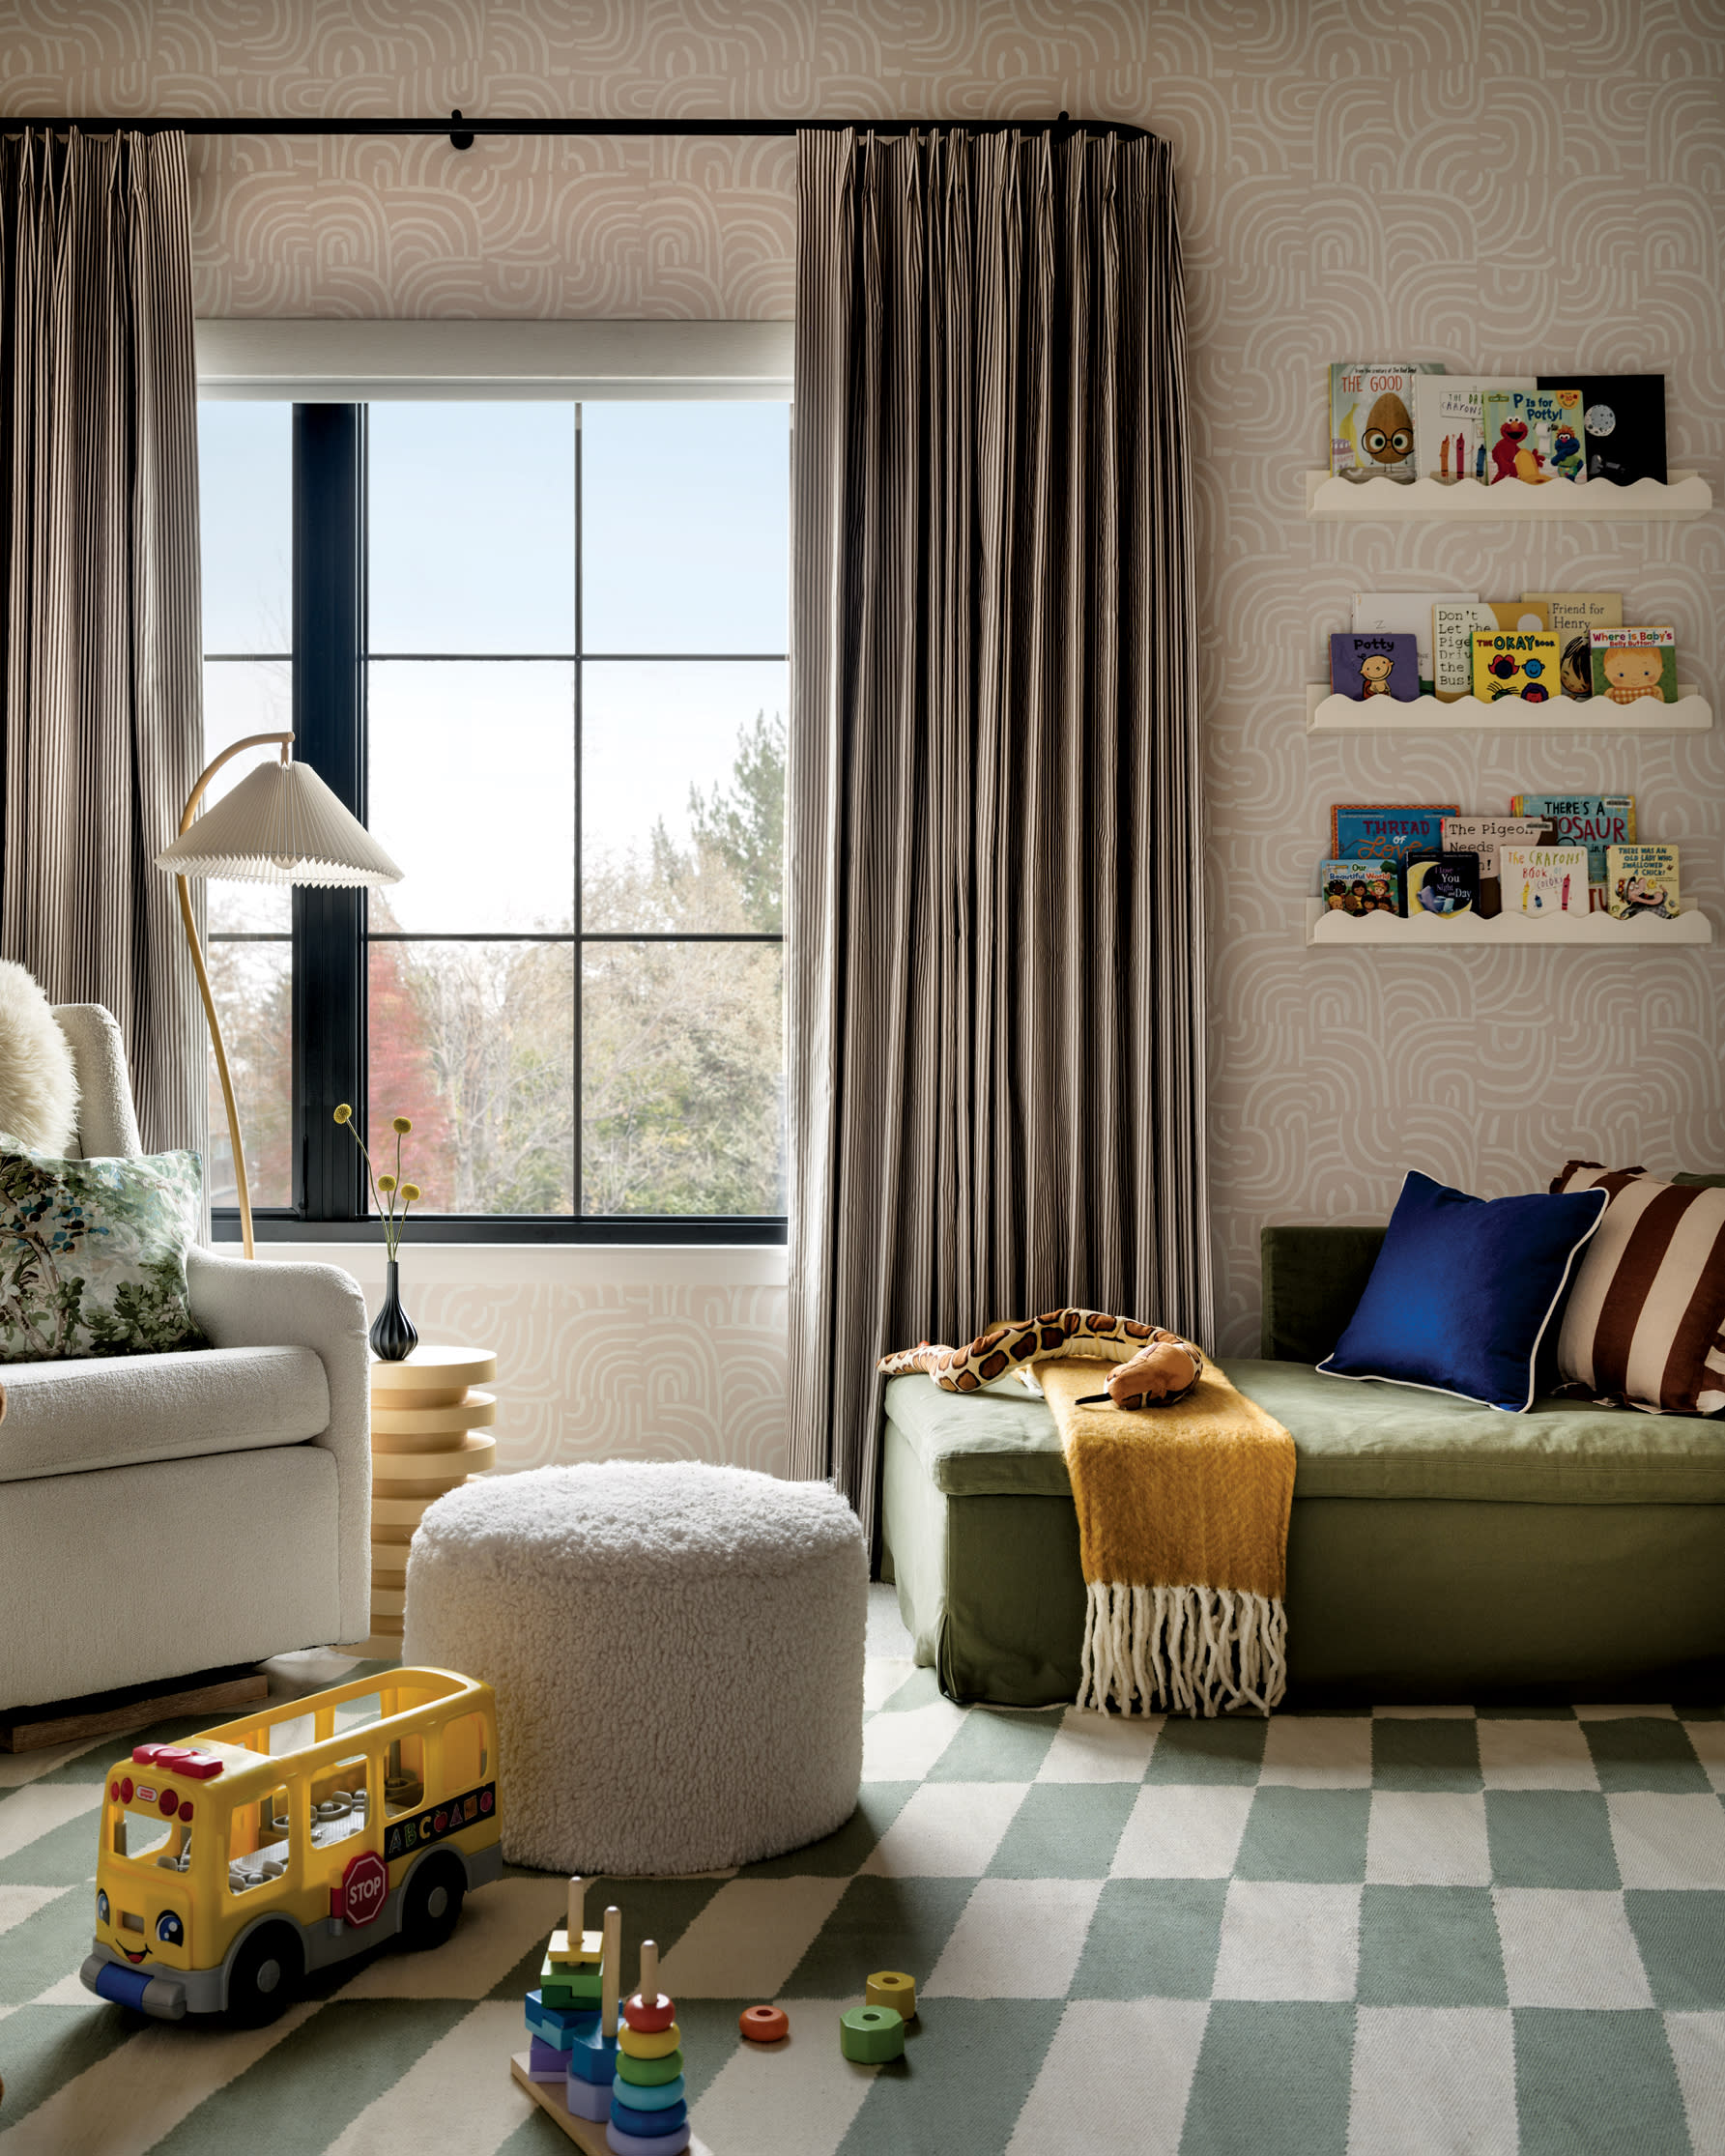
[1436, 1549]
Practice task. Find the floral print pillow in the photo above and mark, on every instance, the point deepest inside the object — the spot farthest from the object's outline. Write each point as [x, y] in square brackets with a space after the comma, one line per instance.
[92, 1254]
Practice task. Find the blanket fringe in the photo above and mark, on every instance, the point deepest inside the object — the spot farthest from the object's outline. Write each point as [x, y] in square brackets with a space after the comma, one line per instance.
[1181, 1649]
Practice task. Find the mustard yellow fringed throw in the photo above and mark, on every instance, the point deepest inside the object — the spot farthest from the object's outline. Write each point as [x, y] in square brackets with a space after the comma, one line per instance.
[1182, 1533]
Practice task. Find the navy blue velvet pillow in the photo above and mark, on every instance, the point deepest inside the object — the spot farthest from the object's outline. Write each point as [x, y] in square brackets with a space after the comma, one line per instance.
[1463, 1291]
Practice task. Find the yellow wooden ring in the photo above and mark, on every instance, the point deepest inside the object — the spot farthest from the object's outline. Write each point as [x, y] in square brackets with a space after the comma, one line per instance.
[638, 2044]
[891, 1987]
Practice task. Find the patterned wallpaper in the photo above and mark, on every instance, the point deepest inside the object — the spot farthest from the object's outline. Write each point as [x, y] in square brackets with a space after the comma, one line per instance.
[1501, 184]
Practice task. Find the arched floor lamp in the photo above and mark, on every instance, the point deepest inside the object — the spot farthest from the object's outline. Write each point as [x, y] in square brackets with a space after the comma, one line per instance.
[281, 824]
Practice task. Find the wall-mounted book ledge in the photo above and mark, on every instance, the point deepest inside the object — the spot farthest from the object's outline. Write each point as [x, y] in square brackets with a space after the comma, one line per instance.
[1429, 931]
[1326, 713]
[1330, 499]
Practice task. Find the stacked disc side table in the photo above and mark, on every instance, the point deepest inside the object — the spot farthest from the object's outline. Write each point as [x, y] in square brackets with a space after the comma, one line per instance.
[429, 1424]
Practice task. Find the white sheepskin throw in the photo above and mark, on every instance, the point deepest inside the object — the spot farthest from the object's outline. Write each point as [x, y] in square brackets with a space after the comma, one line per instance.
[38, 1086]
[677, 1653]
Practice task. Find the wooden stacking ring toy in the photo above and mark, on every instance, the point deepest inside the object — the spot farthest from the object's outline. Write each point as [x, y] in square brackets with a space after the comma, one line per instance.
[638, 2043]
[763, 2025]
[891, 1987]
[871, 2035]
[650, 2016]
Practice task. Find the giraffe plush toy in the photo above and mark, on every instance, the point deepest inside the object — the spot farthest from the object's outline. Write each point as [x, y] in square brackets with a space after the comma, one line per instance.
[1162, 1368]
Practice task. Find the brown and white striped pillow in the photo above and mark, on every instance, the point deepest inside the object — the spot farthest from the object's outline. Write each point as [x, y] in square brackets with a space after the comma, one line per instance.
[1644, 1321]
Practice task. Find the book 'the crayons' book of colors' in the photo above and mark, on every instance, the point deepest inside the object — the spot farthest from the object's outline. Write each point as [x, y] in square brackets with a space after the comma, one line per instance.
[1535, 435]
[1387, 830]
[1594, 820]
[1642, 881]
[1629, 664]
[1545, 879]
[1360, 886]
[1515, 662]
[1368, 666]
[1371, 418]
[1450, 423]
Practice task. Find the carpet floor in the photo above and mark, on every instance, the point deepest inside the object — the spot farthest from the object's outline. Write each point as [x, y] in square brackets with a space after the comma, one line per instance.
[1410, 1930]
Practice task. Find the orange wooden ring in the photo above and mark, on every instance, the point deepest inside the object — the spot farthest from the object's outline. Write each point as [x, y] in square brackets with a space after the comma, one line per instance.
[651, 2018]
[763, 2025]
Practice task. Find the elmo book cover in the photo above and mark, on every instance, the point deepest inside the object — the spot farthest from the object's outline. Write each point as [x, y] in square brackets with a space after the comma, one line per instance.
[1533, 435]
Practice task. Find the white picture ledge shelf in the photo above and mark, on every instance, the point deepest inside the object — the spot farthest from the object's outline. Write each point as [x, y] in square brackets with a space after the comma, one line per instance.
[1330, 498]
[1333, 929]
[1328, 713]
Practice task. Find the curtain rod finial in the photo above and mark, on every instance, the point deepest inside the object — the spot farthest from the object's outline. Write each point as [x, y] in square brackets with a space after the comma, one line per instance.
[462, 138]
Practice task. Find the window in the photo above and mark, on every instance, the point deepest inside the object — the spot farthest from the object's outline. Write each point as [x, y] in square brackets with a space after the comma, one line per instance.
[540, 647]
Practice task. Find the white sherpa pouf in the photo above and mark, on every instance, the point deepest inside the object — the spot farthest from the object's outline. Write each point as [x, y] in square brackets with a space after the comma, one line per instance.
[677, 1653]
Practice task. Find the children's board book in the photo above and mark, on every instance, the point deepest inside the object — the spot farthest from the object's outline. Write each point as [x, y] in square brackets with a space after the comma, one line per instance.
[1371, 418]
[1535, 435]
[1483, 834]
[1360, 886]
[1449, 423]
[1406, 613]
[1446, 884]
[1594, 820]
[1629, 664]
[1544, 879]
[1642, 881]
[1386, 831]
[1452, 627]
[1515, 662]
[1572, 617]
[1520, 613]
[1363, 666]
[1624, 417]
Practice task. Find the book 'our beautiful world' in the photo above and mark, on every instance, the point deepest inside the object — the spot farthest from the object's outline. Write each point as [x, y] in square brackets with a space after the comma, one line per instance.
[1371, 418]
[1360, 886]
[1642, 882]
[1635, 663]
[1368, 666]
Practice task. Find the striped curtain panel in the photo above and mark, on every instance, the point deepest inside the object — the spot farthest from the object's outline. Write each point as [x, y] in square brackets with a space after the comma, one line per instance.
[995, 998]
[102, 734]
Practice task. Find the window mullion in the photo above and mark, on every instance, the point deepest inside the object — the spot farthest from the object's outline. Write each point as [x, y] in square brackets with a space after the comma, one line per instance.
[330, 728]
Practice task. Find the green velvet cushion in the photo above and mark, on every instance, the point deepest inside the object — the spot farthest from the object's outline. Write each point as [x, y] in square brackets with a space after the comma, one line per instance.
[1353, 1441]
[92, 1254]
[1313, 1278]
[1703, 1182]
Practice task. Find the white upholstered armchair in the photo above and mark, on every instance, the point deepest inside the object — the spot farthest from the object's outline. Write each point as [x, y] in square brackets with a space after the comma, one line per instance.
[166, 1513]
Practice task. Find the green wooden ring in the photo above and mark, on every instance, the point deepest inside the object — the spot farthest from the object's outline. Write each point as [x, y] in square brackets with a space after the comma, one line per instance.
[872, 2034]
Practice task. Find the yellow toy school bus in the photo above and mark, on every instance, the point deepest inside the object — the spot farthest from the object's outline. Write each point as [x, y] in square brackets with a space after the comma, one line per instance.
[234, 1863]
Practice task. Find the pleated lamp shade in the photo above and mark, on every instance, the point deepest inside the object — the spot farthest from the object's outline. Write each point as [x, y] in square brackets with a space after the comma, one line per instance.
[281, 824]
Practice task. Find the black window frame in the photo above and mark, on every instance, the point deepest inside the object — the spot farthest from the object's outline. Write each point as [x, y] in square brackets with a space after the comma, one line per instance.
[329, 665]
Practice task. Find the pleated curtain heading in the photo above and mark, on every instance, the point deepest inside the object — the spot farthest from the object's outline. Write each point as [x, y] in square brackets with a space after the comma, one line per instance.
[102, 727]
[995, 959]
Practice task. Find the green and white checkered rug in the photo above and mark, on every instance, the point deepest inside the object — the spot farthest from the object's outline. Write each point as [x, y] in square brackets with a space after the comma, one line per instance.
[1414, 1930]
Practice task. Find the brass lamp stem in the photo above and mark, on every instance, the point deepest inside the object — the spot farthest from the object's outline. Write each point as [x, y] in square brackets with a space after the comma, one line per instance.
[251, 742]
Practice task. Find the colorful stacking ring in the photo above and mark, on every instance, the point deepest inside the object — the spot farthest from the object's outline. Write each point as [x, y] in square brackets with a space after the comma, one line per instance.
[763, 2025]
[649, 2016]
[637, 2099]
[891, 1987]
[872, 2034]
[638, 2044]
[648, 2073]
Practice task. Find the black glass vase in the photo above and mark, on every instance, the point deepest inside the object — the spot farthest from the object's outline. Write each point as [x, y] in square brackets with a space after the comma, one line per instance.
[392, 1335]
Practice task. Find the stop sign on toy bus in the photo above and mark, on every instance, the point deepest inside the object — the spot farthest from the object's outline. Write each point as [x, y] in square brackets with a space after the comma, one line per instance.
[365, 1888]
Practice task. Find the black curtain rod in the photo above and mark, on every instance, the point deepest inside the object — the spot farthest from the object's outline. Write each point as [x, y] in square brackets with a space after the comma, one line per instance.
[465, 129]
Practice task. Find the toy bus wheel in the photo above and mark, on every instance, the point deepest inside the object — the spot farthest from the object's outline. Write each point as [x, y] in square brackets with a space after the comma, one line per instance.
[265, 1978]
[432, 1909]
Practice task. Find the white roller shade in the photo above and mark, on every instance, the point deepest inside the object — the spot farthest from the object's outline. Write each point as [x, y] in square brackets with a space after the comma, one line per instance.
[365, 363]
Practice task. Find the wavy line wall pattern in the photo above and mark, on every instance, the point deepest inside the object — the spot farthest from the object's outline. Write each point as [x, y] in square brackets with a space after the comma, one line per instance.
[1501, 186]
